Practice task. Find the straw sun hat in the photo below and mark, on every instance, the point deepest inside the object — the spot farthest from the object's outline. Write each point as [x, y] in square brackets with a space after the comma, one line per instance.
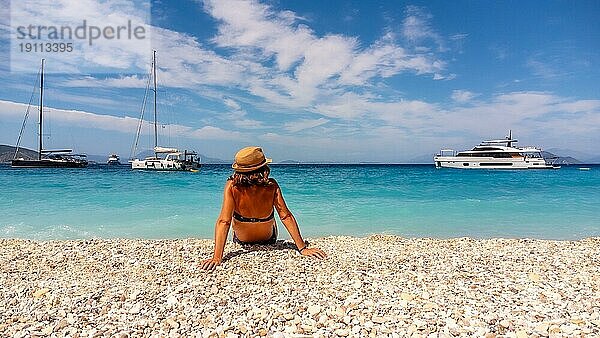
[249, 159]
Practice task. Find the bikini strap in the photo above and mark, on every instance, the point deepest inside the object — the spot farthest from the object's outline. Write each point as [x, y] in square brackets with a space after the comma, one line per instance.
[241, 218]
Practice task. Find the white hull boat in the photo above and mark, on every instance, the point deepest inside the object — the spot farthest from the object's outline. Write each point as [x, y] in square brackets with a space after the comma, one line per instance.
[173, 160]
[494, 154]
[113, 159]
[164, 159]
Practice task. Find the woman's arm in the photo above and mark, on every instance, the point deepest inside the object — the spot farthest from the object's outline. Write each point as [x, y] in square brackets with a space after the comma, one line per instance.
[221, 229]
[289, 221]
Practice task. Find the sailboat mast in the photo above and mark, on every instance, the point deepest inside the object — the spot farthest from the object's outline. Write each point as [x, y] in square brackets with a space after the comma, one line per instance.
[41, 109]
[155, 122]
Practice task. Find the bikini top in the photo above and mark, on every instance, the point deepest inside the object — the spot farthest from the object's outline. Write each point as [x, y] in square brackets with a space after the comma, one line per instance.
[241, 218]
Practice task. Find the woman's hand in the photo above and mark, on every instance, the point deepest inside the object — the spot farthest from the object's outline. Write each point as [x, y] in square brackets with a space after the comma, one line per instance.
[314, 252]
[210, 264]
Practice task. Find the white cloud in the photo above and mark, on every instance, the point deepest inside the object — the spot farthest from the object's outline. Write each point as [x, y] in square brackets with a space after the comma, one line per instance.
[530, 113]
[77, 118]
[416, 27]
[500, 52]
[132, 81]
[248, 124]
[386, 60]
[362, 108]
[308, 67]
[231, 104]
[345, 106]
[462, 96]
[213, 133]
[182, 61]
[251, 25]
[298, 125]
[271, 61]
[390, 129]
[309, 73]
[237, 116]
[542, 69]
[99, 55]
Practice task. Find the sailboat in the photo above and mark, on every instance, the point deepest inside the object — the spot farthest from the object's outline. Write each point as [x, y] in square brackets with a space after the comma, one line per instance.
[165, 158]
[58, 158]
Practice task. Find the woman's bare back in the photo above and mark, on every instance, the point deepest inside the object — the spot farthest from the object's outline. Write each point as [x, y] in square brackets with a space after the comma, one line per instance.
[254, 201]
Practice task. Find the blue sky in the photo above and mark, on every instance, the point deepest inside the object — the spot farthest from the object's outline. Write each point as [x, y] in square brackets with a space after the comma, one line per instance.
[316, 81]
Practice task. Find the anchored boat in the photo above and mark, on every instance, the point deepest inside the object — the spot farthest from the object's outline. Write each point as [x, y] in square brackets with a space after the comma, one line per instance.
[60, 158]
[165, 158]
[494, 154]
[113, 159]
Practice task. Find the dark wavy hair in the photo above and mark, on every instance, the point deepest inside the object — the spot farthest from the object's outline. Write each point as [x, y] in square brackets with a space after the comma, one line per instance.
[259, 176]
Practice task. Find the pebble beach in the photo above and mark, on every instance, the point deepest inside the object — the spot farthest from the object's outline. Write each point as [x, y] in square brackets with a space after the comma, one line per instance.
[372, 286]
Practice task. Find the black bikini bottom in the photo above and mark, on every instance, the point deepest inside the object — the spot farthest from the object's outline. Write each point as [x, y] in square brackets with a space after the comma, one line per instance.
[271, 240]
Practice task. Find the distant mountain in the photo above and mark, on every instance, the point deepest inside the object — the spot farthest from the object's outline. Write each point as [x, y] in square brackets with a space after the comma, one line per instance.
[593, 160]
[97, 158]
[580, 156]
[423, 159]
[566, 160]
[7, 153]
[212, 160]
[288, 162]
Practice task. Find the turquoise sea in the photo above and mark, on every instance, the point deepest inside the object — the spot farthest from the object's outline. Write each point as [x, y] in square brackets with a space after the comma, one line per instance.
[407, 200]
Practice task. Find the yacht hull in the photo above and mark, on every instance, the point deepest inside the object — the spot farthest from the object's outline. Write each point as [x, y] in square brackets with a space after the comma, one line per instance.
[48, 163]
[164, 165]
[458, 162]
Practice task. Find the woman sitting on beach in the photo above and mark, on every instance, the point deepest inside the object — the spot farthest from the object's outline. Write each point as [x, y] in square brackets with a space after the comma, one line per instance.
[248, 202]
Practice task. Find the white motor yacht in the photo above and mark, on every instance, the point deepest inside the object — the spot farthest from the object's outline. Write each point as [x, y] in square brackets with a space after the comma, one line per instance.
[494, 154]
[113, 159]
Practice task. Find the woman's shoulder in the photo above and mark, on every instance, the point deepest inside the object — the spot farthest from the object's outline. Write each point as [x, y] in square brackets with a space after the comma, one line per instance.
[273, 182]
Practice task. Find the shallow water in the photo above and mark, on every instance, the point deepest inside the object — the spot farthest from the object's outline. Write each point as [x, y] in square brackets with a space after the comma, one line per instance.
[407, 200]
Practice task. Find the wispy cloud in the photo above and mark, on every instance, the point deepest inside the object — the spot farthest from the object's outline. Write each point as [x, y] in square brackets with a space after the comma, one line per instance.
[77, 118]
[270, 74]
[416, 27]
[273, 56]
[296, 126]
[542, 69]
[462, 96]
[131, 81]
[308, 68]
[389, 129]
[101, 55]
[237, 117]
[231, 104]
[499, 52]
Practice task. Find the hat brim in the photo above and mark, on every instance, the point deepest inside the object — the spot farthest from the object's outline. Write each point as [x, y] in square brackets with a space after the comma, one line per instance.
[241, 169]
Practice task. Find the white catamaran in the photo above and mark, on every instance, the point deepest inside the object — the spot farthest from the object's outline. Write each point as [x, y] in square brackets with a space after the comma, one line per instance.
[165, 158]
[494, 154]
